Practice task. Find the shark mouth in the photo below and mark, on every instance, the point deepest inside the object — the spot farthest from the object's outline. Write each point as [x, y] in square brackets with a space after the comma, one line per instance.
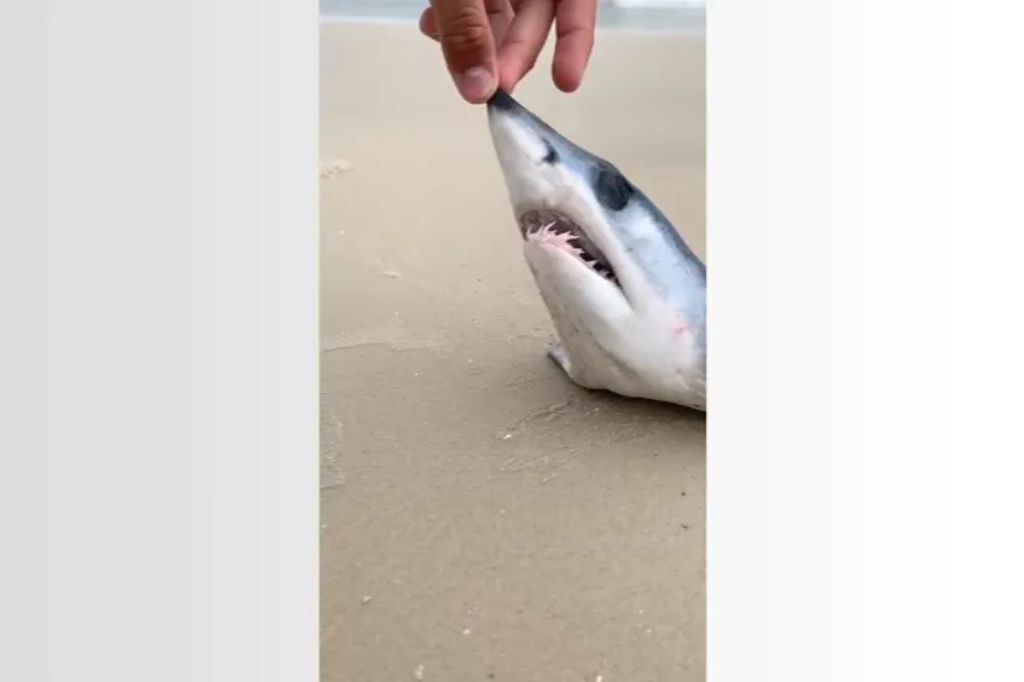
[557, 230]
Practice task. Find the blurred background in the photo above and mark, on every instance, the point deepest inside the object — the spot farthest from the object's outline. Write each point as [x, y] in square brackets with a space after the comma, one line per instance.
[653, 15]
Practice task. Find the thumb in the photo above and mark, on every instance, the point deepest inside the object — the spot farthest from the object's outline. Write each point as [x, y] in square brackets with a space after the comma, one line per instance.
[468, 47]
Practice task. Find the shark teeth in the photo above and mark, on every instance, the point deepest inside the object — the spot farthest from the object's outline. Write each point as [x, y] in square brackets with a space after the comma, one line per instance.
[542, 225]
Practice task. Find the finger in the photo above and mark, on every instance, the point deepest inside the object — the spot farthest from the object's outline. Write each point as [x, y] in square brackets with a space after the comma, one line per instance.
[500, 14]
[524, 41]
[428, 24]
[468, 47]
[575, 31]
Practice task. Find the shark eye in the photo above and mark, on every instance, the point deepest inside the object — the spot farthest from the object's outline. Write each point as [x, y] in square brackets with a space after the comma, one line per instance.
[551, 156]
[612, 190]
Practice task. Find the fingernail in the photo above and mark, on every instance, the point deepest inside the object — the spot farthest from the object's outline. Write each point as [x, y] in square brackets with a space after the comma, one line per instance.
[476, 84]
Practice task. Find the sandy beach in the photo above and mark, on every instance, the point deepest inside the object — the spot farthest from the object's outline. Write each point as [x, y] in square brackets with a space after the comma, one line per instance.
[482, 517]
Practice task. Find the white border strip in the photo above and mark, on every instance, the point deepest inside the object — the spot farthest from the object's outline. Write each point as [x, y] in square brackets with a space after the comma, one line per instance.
[158, 434]
[865, 440]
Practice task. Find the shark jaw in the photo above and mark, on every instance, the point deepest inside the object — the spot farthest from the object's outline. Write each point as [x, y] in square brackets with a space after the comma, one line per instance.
[559, 231]
[624, 292]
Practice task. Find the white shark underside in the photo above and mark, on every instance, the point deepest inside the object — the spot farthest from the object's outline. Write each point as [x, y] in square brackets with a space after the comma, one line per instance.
[626, 295]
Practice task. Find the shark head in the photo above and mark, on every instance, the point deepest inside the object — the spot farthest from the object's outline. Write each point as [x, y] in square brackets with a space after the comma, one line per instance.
[625, 293]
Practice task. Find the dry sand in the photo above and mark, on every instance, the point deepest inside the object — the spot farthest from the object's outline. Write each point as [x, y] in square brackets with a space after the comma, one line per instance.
[483, 518]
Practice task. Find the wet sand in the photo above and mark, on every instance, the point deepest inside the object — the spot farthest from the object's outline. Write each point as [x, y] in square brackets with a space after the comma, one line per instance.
[482, 517]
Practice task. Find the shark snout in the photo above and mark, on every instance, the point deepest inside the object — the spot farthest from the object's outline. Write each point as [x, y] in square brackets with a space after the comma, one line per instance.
[502, 101]
[514, 125]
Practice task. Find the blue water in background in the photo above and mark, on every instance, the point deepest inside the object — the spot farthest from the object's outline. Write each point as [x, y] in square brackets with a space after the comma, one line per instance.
[670, 19]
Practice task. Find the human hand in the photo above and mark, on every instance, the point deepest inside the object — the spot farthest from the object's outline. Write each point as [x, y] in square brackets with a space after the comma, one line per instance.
[492, 43]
